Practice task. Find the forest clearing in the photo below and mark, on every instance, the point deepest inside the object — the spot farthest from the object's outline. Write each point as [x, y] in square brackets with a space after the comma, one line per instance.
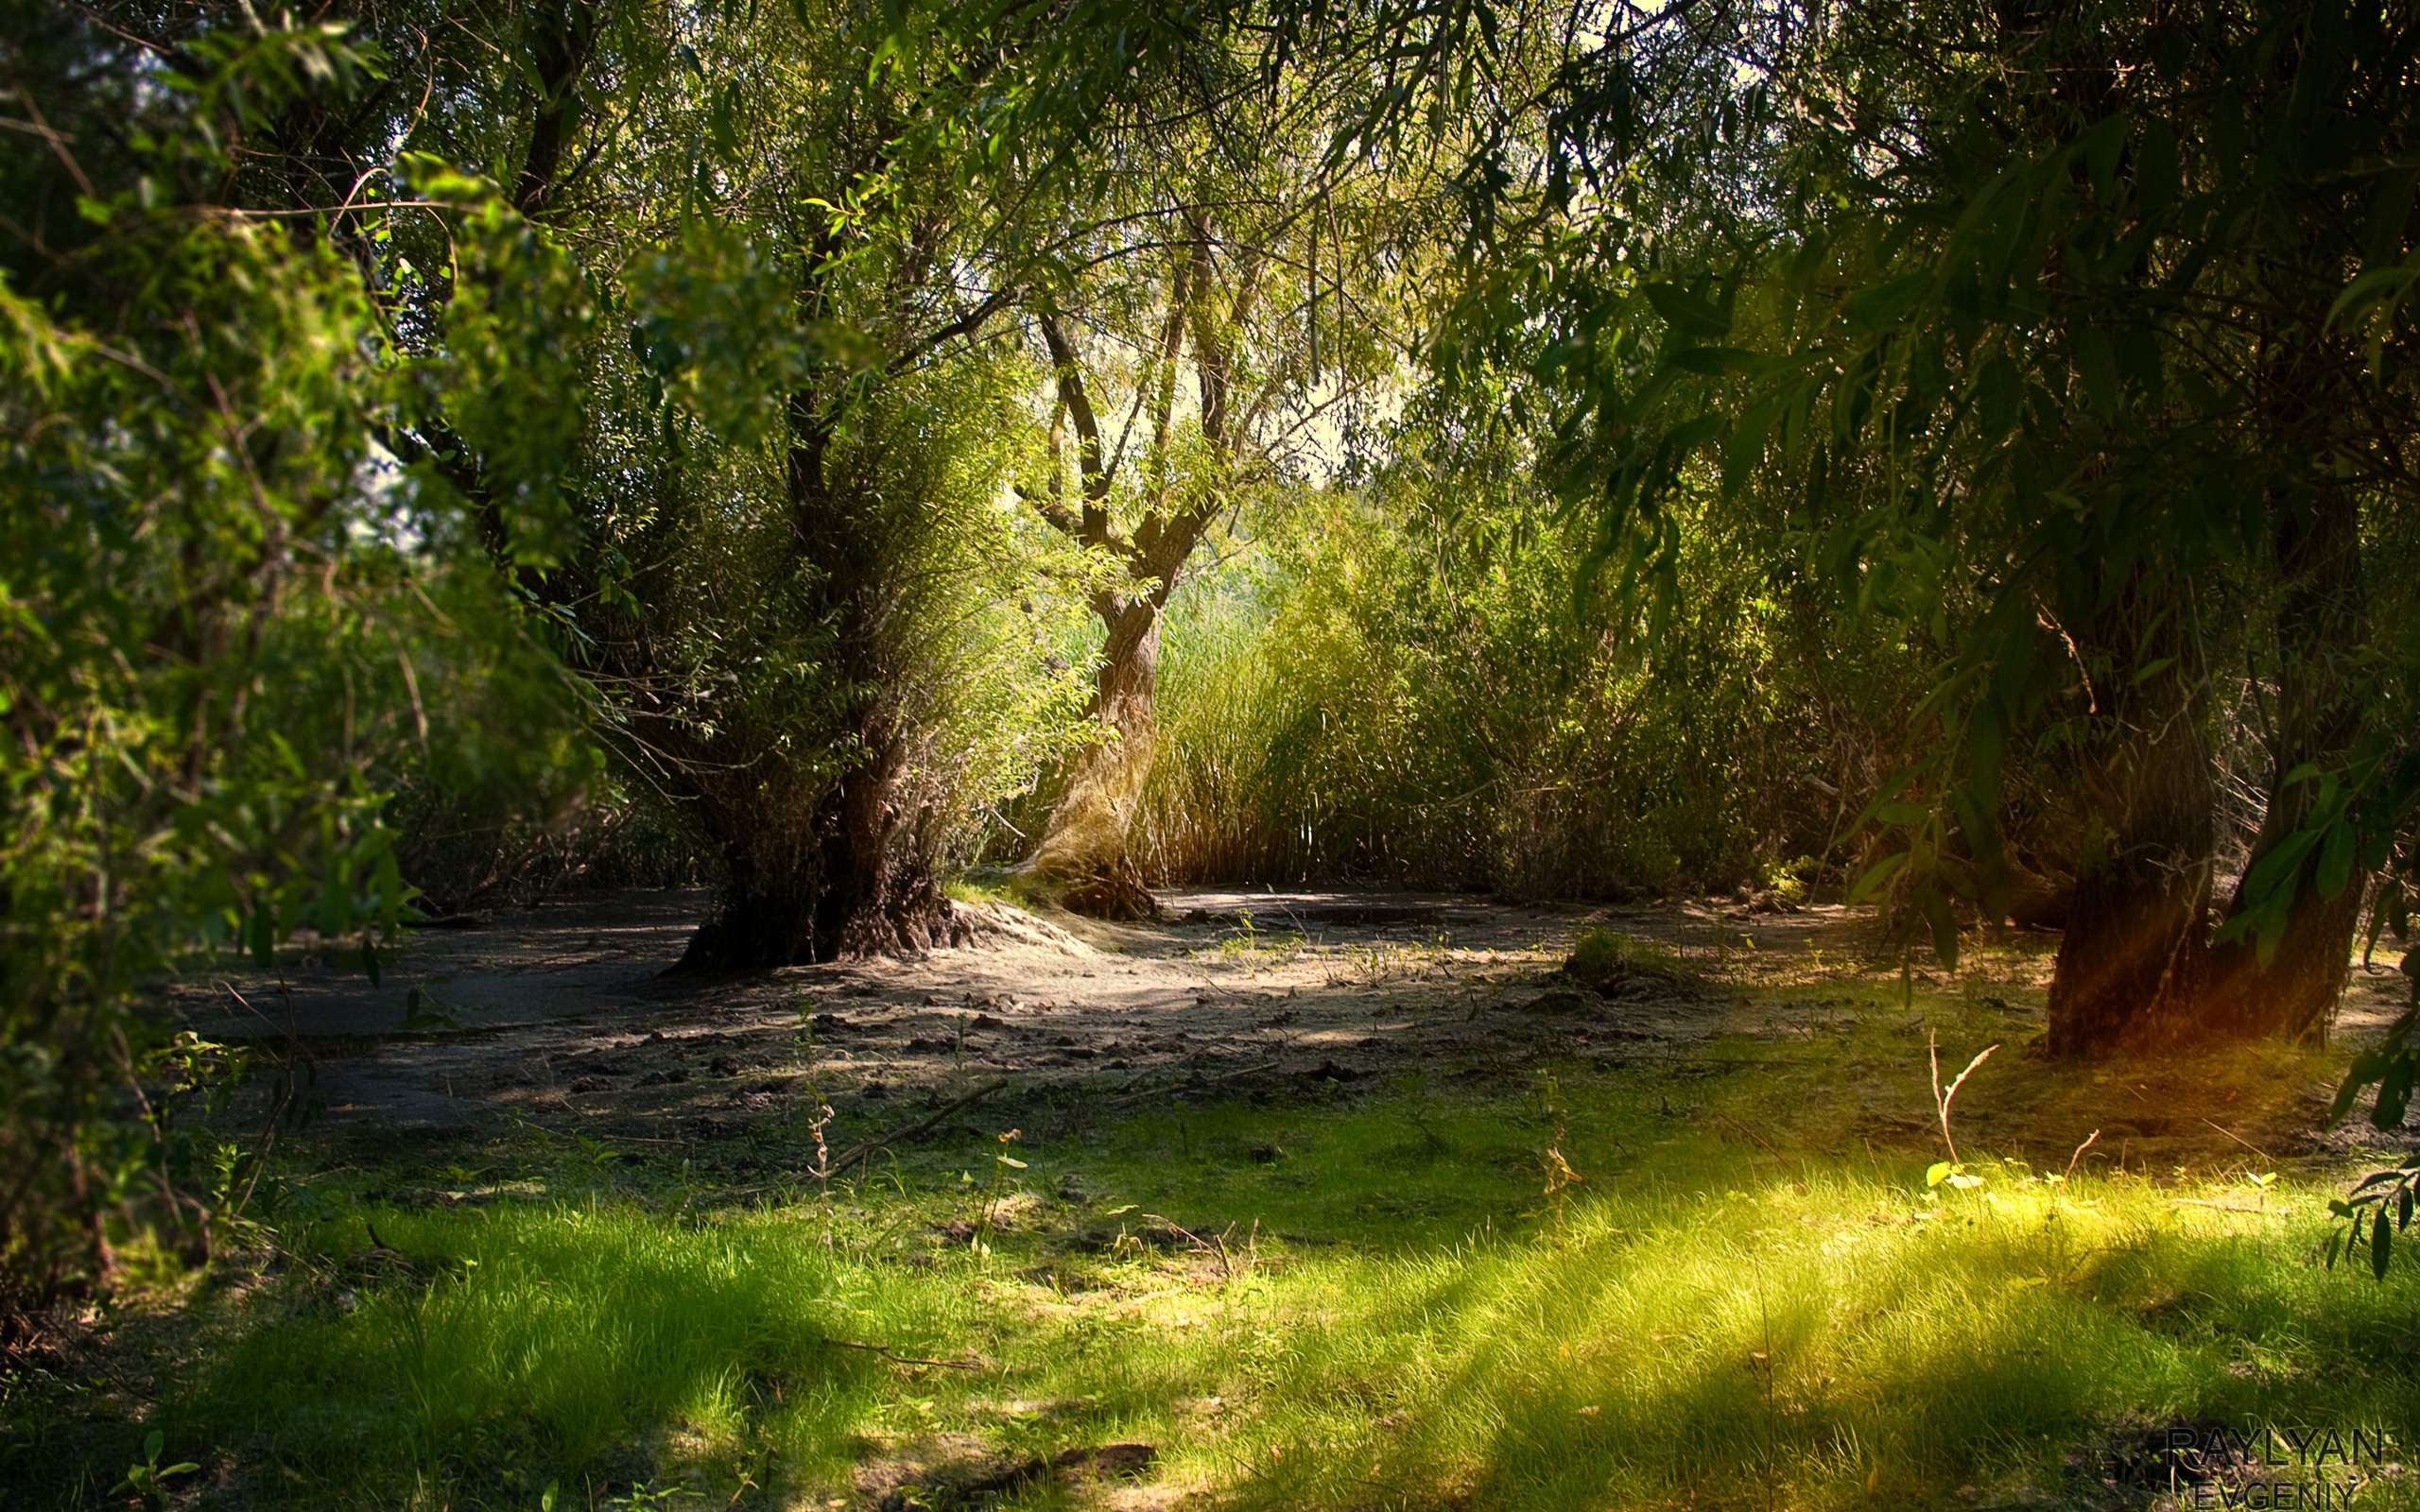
[1358, 754]
[1318, 1199]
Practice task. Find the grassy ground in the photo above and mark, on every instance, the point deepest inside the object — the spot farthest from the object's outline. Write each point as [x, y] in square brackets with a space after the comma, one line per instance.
[1715, 1282]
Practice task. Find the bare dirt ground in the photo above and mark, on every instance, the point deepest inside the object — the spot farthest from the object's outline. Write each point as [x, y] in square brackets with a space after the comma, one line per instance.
[560, 1017]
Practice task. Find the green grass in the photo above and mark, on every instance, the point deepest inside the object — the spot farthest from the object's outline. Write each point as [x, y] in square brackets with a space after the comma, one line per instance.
[1401, 1316]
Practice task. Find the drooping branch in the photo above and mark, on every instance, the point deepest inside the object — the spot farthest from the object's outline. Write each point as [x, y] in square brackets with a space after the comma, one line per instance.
[567, 38]
[1090, 463]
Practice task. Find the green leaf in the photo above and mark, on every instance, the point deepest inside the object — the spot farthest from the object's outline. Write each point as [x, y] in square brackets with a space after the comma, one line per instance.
[1746, 447]
[1937, 1173]
[1885, 305]
[2102, 146]
[2381, 1244]
[1687, 313]
[1986, 742]
[2394, 1090]
[1998, 389]
[2336, 859]
[2389, 212]
[1876, 876]
[1945, 929]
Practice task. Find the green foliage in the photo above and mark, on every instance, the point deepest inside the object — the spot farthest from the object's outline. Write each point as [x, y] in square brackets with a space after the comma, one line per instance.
[1404, 686]
[1431, 1317]
[1606, 961]
[2383, 1201]
[1966, 338]
[147, 1478]
[222, 630]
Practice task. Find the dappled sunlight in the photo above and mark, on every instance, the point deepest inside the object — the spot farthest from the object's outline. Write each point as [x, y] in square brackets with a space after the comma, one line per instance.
[1109, 756]
[1411, 1322]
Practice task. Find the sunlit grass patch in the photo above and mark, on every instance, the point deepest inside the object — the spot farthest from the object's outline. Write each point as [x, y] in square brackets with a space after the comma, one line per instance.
[494, 1348]
[1362, 1300]
[1834, 1337]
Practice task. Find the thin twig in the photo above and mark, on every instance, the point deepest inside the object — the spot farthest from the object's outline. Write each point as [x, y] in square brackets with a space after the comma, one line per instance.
[2091, 1140]
[2245, 1143]
[896, 1358]
[860, 1150]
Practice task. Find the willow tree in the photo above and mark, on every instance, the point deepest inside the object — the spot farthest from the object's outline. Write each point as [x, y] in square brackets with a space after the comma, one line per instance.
[767, 284]
[1217, 340]
[219, 633]
[2035, 327]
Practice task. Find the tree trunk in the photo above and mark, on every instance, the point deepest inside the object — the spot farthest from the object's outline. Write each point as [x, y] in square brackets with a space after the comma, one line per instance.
[853, 880]
[767, 915]
[1086, 851]
[882, 896]
[849, 868]
[2133, 954]
[2320, 622]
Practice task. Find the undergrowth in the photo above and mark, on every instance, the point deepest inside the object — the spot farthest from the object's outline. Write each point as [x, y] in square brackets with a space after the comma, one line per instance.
[1595, 1292]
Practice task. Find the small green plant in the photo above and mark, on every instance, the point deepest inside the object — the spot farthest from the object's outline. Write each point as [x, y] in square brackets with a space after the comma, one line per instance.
[820, 1111]
[1599, 952]
[1561, 1177]
[1786, 880]
[1604, 962]
[1248, 943]
[2381, 1204]
[1952, 1170]
[1002, 1163]
[642, 1497]
[1244, 938]
[146, 1477]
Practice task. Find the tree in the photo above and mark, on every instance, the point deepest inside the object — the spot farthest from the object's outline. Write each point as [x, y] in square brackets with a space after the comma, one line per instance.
[2043, 310]
[219, 633]
[1239, 247]
[782, 555]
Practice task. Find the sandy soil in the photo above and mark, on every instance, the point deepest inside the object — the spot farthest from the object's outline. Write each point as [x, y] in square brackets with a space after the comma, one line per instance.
[562, 1016]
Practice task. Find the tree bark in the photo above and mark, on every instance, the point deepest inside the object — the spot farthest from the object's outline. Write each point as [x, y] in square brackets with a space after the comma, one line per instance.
[849, 877]
[1086, 851]
[2132, 958]
[847, 868]
[2321, 621]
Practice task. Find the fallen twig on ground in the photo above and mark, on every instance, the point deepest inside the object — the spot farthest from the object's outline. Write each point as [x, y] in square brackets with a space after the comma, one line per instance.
[864, 1147]
[896, 1358]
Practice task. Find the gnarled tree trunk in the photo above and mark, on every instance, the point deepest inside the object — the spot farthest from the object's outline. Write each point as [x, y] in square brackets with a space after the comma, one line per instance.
[2133, 954]
[1086, 855]
[832, 866]
[2320, 622]
[1086, 850]
[844, 873]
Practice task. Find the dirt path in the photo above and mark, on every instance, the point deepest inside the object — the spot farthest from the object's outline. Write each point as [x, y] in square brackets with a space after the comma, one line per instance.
[560, 1017]
[565, 1006]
